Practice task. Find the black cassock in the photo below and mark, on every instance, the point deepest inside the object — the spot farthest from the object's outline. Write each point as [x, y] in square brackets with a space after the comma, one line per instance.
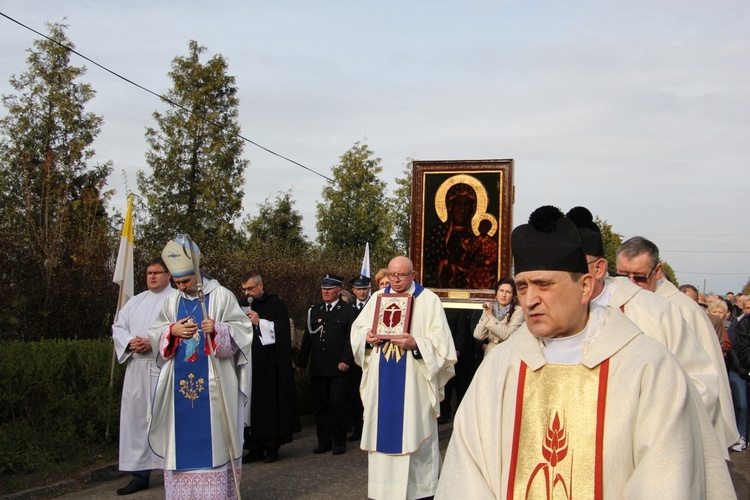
[274, 400]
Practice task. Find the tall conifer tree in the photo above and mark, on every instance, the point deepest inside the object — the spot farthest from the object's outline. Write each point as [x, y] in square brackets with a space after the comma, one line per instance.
[278, 225]
[401, 203]
[197, 171]
[54, 228]
[354, 210]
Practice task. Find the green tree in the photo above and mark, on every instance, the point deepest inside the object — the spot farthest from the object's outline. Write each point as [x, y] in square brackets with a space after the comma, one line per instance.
[669, 272]
[195, 155]
[354, 209]
[401, 204]
[611, 242]
[55, 232]
[277, 225]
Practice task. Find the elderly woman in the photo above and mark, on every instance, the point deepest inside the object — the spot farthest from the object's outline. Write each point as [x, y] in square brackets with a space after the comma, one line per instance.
[501, 317]
[718, 307]
[717, 313]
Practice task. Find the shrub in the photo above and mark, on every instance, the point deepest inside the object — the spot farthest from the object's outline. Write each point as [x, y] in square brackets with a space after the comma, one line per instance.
[55, 403]
[58, 412]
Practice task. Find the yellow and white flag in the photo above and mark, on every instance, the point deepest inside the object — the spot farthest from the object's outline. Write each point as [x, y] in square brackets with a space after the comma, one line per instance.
[124, 267]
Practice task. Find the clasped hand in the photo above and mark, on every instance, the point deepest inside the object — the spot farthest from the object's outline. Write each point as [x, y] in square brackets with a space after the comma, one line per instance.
[186, 328]
[140, 345]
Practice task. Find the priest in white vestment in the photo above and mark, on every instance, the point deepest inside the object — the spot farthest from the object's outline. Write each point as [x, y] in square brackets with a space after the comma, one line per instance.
[132, 346]
[401, 389]
[638, 259]
[653, 315]
[578, 403]
[196, 430]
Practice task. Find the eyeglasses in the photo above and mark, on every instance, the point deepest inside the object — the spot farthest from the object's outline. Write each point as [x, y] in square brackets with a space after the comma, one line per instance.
[155, 273]
[400, 276]
[637, 277]
[250, 288]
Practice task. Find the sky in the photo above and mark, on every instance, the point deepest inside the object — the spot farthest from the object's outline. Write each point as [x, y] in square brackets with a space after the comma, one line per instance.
[637, 110]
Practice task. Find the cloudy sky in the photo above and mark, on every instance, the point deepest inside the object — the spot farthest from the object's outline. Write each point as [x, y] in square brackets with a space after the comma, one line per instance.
[638, 110]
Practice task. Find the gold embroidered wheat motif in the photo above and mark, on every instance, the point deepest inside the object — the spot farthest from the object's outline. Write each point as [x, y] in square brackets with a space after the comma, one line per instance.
[190, 388]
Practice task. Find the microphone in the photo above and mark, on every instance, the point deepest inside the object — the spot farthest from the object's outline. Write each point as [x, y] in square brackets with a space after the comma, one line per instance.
[246, 309]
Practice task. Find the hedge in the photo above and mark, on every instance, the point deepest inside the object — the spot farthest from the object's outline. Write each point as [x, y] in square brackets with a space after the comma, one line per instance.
[56, 405]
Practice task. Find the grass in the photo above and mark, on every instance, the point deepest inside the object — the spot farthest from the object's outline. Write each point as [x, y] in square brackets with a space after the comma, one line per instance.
[49, 471]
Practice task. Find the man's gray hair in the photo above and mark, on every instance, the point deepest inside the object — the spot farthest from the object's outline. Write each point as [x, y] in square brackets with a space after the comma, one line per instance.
[638, 245]
[252, 274]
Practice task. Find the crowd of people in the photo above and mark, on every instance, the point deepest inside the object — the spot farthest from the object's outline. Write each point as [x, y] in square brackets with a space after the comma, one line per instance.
[528, 378]
[726, 314]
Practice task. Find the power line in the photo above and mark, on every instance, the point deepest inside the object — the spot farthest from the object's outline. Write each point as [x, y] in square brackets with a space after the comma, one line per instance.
[705, 251]
[166, 99]
[714, 274]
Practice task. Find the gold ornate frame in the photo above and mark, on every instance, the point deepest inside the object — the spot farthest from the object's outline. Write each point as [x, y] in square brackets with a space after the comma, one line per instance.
[387, 325]
[491, 182]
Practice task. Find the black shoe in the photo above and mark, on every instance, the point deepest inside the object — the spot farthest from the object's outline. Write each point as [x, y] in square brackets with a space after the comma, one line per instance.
[321, 449]
[132, 487]
[356, 436]
[339, 450]
[271, 456]
[252, 456]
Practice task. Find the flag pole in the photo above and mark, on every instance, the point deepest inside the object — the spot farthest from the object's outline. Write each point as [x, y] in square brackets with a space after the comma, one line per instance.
[123, 273]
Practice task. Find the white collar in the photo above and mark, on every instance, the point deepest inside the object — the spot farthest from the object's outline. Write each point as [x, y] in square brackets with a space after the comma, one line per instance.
[603, 298]
[565, 350]
[569, 350]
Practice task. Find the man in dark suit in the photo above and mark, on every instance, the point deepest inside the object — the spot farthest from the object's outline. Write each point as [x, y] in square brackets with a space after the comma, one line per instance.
[326, 343]
[361, 290]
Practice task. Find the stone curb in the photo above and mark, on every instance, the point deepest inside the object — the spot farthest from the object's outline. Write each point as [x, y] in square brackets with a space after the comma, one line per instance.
[107, 472]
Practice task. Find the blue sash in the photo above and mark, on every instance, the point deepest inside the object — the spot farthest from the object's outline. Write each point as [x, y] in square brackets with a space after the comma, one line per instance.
[391, 402]
[391, 389]
[192, 396]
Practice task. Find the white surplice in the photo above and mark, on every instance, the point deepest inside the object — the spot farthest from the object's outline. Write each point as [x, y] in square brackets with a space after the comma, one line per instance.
[233, 332]
[412, 474]
[652, 430]
[659, 319]
[139, 385]
[698, 320]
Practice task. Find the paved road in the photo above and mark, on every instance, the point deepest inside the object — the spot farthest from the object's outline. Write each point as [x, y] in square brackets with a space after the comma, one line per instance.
[297, 474]
[301, 475]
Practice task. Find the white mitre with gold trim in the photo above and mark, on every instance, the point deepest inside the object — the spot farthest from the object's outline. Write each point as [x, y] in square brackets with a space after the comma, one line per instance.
[179, 257]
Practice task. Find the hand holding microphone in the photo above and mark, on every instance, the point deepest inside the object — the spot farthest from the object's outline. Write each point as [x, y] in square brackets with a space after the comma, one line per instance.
[254, 318]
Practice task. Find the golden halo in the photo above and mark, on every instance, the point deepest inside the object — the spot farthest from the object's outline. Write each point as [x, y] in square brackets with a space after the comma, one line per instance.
[479, 214]
[476, 220]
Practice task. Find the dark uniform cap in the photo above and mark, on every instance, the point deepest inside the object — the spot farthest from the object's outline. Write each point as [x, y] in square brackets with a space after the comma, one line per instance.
[549, 242]
[591, 235]
[332, 281]
[360, 281]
